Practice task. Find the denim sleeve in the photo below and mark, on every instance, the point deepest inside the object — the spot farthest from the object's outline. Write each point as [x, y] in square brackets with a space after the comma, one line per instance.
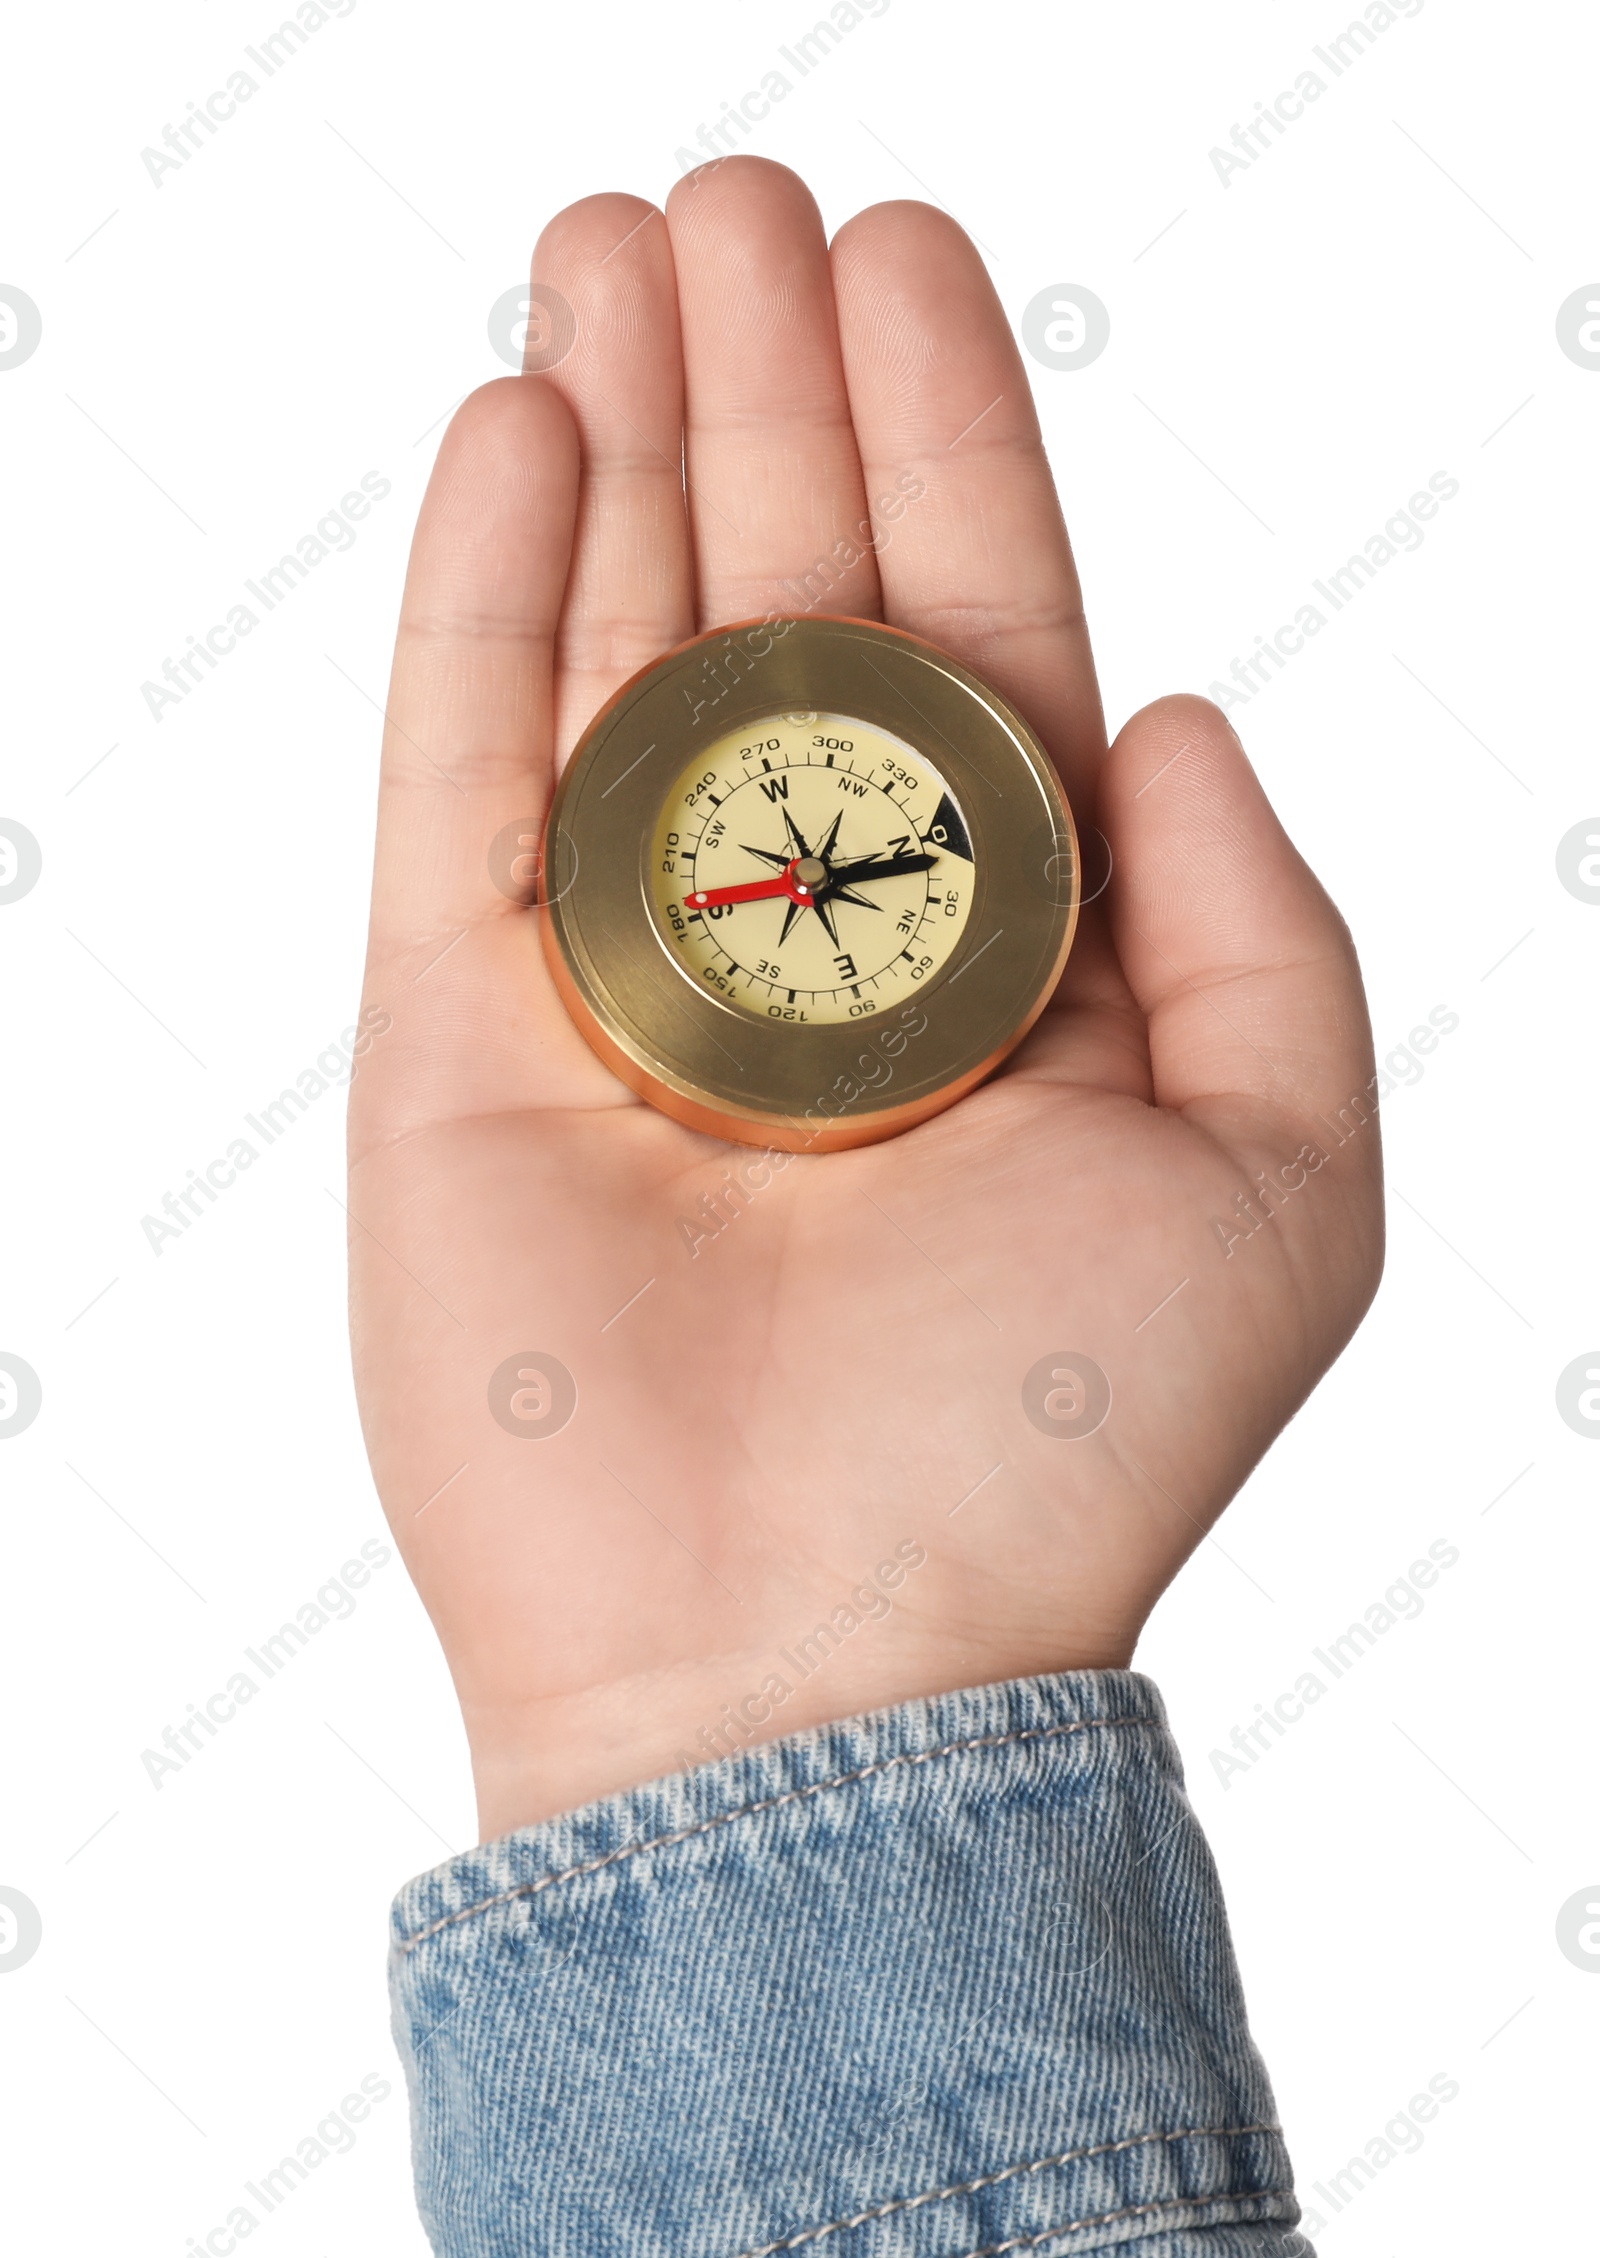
[948, 1981]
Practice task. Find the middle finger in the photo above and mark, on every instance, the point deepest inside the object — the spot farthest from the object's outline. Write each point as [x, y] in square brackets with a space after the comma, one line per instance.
[777, 509]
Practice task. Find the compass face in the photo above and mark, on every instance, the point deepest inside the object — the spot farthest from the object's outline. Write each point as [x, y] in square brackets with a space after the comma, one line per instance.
[811, 869]
[804, 882]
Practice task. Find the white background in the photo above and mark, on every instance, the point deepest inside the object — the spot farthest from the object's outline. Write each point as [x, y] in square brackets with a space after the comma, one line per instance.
[1292, 355]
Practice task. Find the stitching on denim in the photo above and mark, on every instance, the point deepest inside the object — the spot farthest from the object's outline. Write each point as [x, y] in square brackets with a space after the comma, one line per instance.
[1022, 2171]
[753, 1810]
[1110, 2218]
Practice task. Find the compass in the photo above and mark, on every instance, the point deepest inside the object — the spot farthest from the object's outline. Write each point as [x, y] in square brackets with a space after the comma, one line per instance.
[806, 882]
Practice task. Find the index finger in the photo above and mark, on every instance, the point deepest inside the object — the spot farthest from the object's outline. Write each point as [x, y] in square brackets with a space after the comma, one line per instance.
[469, 718]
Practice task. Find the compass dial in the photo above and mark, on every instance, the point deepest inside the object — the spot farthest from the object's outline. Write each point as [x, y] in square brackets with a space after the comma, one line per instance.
[808, 867]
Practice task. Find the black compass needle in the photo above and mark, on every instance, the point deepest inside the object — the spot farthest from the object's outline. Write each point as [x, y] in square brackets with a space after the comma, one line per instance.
[845, 876]
[878, 866]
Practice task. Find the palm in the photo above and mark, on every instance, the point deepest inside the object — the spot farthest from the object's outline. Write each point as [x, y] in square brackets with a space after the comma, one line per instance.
[829, 1365]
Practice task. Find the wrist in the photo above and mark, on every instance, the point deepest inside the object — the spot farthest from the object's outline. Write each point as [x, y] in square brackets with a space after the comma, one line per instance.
[540, 1756]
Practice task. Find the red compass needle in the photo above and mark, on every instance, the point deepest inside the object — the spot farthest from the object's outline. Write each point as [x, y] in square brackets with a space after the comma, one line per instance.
[785, 887]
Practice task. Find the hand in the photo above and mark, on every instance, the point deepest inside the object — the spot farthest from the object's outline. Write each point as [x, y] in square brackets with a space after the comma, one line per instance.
[840, 1360]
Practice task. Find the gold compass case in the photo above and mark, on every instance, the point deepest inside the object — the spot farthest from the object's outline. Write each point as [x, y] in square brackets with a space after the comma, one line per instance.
[805, 882]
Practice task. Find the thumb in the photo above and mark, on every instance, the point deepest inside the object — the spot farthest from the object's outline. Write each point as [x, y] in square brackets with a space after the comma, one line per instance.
[1244, 969]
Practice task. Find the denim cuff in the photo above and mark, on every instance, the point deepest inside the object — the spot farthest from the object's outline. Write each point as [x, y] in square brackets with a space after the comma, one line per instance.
[946, 1981]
